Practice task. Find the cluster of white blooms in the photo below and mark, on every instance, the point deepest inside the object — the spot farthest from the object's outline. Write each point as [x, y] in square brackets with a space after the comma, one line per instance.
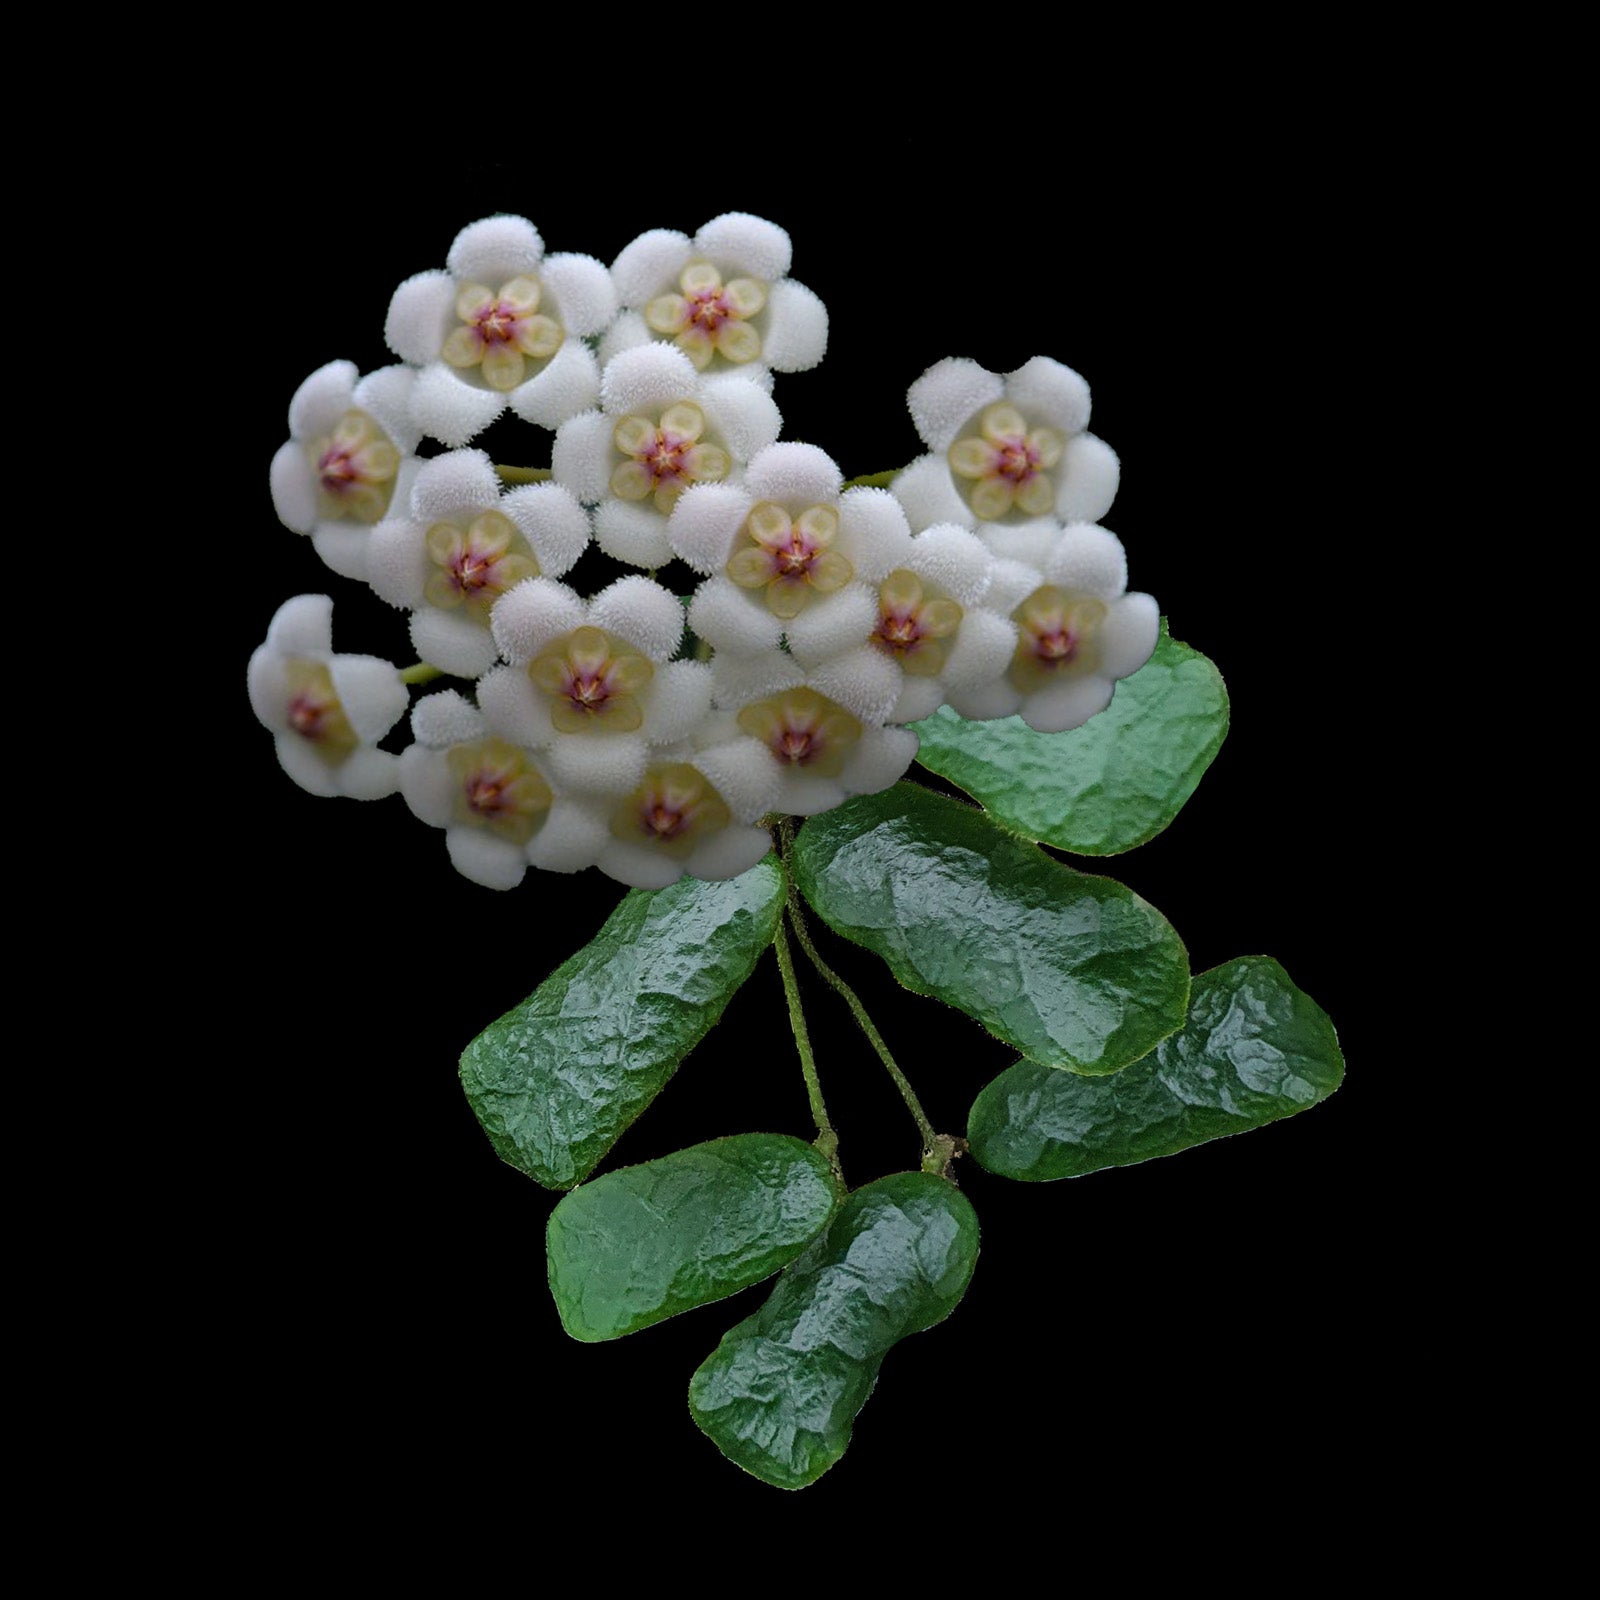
[640, 730]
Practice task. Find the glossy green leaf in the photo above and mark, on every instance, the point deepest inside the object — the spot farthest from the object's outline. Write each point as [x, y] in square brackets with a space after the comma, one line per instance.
[1107, 786]
[557, 1079]
[1254, 1049]
[644, 1243]
[780, 1394]
[1072, 970]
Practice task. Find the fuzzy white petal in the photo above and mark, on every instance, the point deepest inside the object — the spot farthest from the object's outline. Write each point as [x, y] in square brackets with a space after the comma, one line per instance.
[638, 866]
[874, 535]
[737, 680]
[570, 383]
[927, 494]
[585, 297]
[322, 399]
[514, 709]
[919, 698]
[1128, 634]
[643, 612]
[420, 316]
[865, 682]
[997, 698]
[572, 837]
[804, 794]
[527, 617]
[343, 548]
[746, 244]
[428, 786]
[554, 524]
[833, 624]
[302, 626]
[582, 456]
[983, 648]
[743, 772]
[268, 689]
[1032, 543]
[1087, 478]
[947, 395]
[446, 718]
[632, 533]
[300, 760]
[460, 484]
[495, 250]
[368, 774]
[880, 758]
[450, 409]
[705, 522]
[1088, 560]
[955, 559]
[797, 328]
[386, 396]
[452, 642]
[650, 264]
[1010, 583]
[646, 380]
[1048, 392]
[370, 690]
[726, 617]
[742, 413]
[397, 561]
[628, 332]
[797, 475]
[677, 701]
[480, 856]
[601, 764]
[294, 487]
[1066, 705]
[728, 852]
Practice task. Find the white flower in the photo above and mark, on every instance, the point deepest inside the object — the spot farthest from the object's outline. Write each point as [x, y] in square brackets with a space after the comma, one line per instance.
[1075, 630]
[661, 428]
[1005, 448]
[785, 553]
[592, 684]
[933, 619]
[724, 298]
[503, 325]
[348, 458]
[326, 711]
[681, 818]
[490, 797]
[821, 732]
[459, 544]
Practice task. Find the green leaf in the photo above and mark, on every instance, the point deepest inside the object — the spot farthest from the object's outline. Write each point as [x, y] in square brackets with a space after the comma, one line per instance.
[780, 1394]
[644, 1243]
[1254, 1049]
[557, 1079]
[1072, 970]
[1107, 786]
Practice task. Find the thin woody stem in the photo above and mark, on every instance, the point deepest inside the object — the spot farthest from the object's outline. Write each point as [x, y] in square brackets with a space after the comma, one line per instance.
[827, 1141]
[935, 1147]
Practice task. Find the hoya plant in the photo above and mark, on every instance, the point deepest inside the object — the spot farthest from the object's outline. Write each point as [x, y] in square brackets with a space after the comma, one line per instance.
[726, 705]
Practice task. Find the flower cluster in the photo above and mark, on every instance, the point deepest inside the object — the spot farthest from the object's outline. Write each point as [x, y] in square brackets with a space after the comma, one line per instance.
[644, 729]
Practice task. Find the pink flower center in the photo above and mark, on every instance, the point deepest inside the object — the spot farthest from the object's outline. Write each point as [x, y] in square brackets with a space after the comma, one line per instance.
[497, 322]
[664, 458]
[709, 308]
[1015, 459]
[310, 714]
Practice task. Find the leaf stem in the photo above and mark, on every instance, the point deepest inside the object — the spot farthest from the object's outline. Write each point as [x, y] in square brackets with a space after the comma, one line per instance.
[938, 1149]
[875, 480]
[522, 474]
[827, 1141]
[422, 672]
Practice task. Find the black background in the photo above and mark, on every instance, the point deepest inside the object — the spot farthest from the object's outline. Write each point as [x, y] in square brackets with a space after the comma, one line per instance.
[378, 1274]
